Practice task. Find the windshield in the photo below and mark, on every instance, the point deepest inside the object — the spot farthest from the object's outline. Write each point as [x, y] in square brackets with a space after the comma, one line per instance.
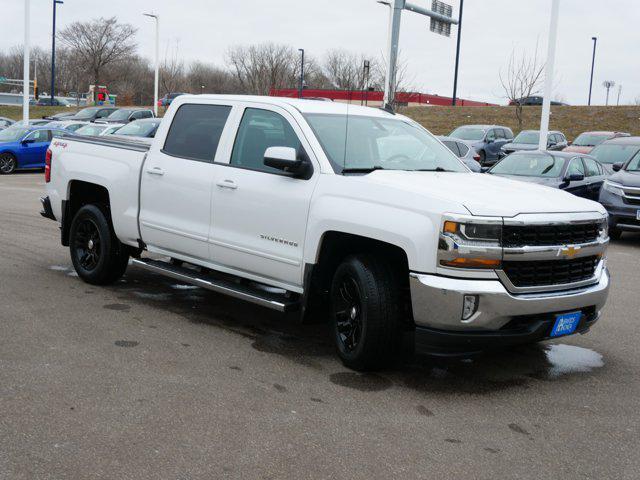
[12, 134]
[527, 165]
[87, 113]
[529, 138]
[139, 129]
[90, 130]
[360, 143]
[122, 114]
[610, 154]
[589, 140]
[468, 133]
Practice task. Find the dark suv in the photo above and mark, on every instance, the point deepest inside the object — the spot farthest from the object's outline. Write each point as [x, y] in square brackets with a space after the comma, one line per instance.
[487, 140]
[620, 195]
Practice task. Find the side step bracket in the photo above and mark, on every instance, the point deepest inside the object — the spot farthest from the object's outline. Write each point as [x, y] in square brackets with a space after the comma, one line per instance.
[265, 297]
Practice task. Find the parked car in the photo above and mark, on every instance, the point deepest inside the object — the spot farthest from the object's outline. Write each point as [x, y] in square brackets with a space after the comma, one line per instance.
[57, 102]
[168, 98]
[620, 195]
[487, 140]
[125, 115]
[60, 116]
[617, 150]
[68, 125]
[463, 151]
[139, 128]
[587, 141]
[580, 175]
[6, 122]
[33, 122]
[528, 140]
[112, 129]
[533, 100]
[90, 114]
[297, 205]
[25, 147]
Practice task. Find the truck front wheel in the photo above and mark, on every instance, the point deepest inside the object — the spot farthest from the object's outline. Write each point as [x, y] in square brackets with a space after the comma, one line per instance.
[97, 255]
[365, 312]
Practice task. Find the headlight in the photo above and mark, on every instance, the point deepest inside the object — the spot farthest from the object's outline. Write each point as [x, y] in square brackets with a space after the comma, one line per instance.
[470, 244]
[614, 188]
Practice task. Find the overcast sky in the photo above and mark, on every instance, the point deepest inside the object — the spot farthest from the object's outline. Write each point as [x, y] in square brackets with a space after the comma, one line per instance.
[492, 29]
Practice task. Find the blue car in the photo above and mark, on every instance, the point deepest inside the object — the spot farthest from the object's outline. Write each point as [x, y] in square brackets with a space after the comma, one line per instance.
[25, 147]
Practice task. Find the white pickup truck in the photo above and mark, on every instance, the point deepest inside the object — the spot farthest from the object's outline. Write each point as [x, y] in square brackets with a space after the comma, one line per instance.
[353, 212]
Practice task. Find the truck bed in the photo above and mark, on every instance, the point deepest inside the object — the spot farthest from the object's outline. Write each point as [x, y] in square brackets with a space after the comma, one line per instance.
[112, 163]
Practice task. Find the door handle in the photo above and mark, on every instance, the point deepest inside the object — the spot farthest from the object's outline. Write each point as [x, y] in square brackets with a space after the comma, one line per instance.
[230, 184]
[155, 171]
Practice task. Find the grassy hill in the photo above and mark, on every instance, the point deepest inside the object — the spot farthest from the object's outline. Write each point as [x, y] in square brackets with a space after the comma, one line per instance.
[570, 120]
[442, 120]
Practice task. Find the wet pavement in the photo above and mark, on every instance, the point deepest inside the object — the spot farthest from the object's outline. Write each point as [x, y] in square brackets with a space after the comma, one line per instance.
[151, 378]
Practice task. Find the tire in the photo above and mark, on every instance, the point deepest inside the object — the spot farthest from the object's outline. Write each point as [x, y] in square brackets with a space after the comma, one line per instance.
[365, 311]
[615, 233]
[97, 255]
[483, 157]
[8, 163]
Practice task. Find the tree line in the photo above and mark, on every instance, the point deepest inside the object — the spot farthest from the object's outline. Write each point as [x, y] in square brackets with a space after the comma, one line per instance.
[104, 51]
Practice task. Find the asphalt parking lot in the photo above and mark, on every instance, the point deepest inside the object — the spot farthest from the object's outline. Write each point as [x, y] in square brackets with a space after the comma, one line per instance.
[153, 379]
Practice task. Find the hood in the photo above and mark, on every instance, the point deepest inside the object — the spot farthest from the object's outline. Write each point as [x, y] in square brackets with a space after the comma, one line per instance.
[487, 195]
[578, 149]
[623, 177]
[9, 146]
[519, 146]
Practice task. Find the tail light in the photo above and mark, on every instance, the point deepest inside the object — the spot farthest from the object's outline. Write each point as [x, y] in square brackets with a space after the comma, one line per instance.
[47, 166]
[476, 157]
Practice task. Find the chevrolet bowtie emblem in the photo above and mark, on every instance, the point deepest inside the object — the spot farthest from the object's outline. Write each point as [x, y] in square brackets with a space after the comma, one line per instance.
[569, 251]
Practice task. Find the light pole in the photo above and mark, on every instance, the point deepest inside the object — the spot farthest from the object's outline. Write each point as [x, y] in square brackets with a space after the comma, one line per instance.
[155, 83]
[593, 63]
[548, 75]
[301, 87]
[53, 51]
[455, 75]
[26, 61]
[619, 92]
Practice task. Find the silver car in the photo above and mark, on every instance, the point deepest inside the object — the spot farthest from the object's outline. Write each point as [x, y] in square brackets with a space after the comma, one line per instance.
[464, 152]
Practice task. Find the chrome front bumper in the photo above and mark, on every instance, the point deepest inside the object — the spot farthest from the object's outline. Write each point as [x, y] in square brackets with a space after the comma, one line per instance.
[437, 302]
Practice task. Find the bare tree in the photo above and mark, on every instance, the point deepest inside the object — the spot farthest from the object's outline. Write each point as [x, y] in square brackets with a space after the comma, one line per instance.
[99, 43]
[344, 70]
[523, 78]
[209, 79]
[172, 71]
[259, 68]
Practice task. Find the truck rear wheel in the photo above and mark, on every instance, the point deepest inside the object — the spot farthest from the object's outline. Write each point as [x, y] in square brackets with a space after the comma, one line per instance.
[97, 255]
[365, 312]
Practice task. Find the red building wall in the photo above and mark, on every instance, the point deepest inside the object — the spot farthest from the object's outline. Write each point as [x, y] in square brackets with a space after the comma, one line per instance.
[358, 96]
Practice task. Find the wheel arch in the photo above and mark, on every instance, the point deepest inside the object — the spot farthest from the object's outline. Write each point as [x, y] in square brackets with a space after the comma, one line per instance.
[80, 193]
[333, 248]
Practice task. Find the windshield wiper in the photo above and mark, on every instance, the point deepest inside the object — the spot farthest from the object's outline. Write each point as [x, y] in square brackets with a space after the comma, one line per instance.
[437, 169]
[362, 169]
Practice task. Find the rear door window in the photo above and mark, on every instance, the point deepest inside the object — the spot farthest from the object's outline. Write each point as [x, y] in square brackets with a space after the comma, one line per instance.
[195, 131]
[576, 167]
[453, 146]
[464, 149]
[592, 167]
